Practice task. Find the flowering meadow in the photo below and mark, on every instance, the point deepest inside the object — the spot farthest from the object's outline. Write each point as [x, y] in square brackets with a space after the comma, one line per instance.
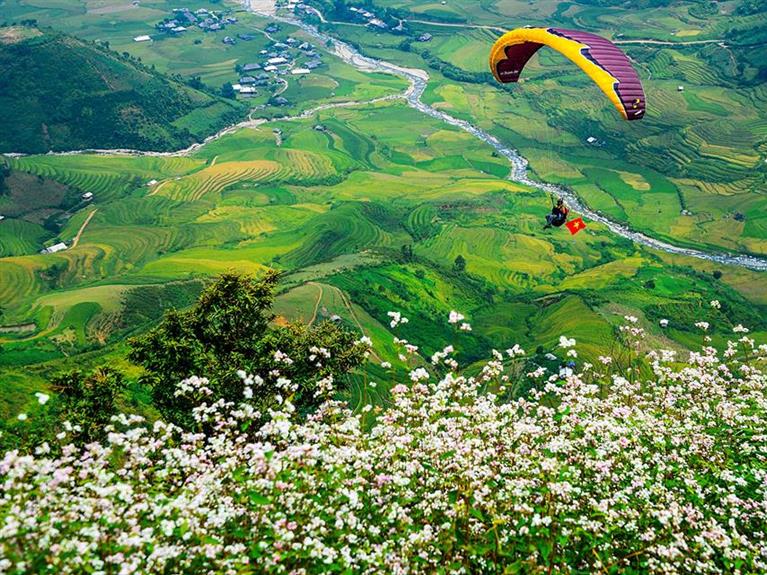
[651, 462]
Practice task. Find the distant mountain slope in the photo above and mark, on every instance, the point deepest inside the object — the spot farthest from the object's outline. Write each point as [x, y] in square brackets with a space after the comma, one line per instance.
[60, 93]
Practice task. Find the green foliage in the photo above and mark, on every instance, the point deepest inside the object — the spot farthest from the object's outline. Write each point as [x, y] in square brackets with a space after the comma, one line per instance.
[459, 264]
[88, 402]
[229, 330]
[227, 91]
[83, 406]
[103, 99]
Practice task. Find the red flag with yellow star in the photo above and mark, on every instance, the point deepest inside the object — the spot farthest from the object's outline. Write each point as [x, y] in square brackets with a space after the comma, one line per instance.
[576, 225]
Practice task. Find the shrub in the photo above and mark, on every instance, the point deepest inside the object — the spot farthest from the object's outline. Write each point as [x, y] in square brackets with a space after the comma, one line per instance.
[229, 330]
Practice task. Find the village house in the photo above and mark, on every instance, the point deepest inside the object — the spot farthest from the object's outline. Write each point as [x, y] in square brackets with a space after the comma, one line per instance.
[247, 80]
[143, 38]
[251, 67]
[59, 247]
[377, 23]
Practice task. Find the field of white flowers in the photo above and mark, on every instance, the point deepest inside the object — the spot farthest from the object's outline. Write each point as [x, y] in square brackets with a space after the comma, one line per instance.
[657, 464]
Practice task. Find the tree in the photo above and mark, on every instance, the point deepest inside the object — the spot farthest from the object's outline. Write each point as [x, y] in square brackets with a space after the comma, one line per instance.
[717, 274]
[227, 91]
[459, 264]
[228, 330]
[88, 402]
[5, 171]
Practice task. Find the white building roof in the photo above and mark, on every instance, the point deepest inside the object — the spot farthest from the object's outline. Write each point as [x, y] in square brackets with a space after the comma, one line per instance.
[59, 247]
[297, 71]
[143, 38]
[277, 60]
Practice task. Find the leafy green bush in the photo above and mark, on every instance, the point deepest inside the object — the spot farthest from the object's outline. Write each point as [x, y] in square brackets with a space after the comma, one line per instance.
[227, 333]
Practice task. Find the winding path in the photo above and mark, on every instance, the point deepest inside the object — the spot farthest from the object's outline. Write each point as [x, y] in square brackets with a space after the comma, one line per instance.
[418, 80]
[76, 240]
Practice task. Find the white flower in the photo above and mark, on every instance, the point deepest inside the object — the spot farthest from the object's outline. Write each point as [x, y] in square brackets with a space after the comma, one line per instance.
[42, 398]
[21, 417]
[715, 304]
[455, 317]
[396, 318]
[281, 357]
[704, 325]
[365, 340]
[465, 327]
[515, 351]
[419, 374]
[565, 342]
[663, 323]
[537, 373]
[386, 365]
[630, 318]
[740, 329]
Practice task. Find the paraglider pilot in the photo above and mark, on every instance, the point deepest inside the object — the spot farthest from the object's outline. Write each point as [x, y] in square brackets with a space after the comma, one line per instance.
[558, 215]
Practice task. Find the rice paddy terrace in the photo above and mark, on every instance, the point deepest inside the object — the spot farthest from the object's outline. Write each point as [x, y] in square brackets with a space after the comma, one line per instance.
[692, 172]
[366, 209]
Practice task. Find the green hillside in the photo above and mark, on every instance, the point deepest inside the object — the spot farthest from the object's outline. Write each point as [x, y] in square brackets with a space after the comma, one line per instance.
[102, 99]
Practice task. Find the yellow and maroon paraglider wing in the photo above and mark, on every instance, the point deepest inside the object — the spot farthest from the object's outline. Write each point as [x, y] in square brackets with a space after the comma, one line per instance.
[602, 60]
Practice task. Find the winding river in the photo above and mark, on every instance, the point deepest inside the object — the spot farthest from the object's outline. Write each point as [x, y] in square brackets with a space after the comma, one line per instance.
[418, 80]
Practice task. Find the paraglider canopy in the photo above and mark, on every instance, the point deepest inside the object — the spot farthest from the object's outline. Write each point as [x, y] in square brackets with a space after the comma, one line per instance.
[602, 60]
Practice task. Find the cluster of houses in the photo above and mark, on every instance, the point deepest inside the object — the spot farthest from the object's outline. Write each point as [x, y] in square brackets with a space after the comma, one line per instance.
[370, 19]
[204, 19]
[280, 58]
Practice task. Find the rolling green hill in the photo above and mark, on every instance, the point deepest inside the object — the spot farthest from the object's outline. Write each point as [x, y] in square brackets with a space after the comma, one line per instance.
[61, 93]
